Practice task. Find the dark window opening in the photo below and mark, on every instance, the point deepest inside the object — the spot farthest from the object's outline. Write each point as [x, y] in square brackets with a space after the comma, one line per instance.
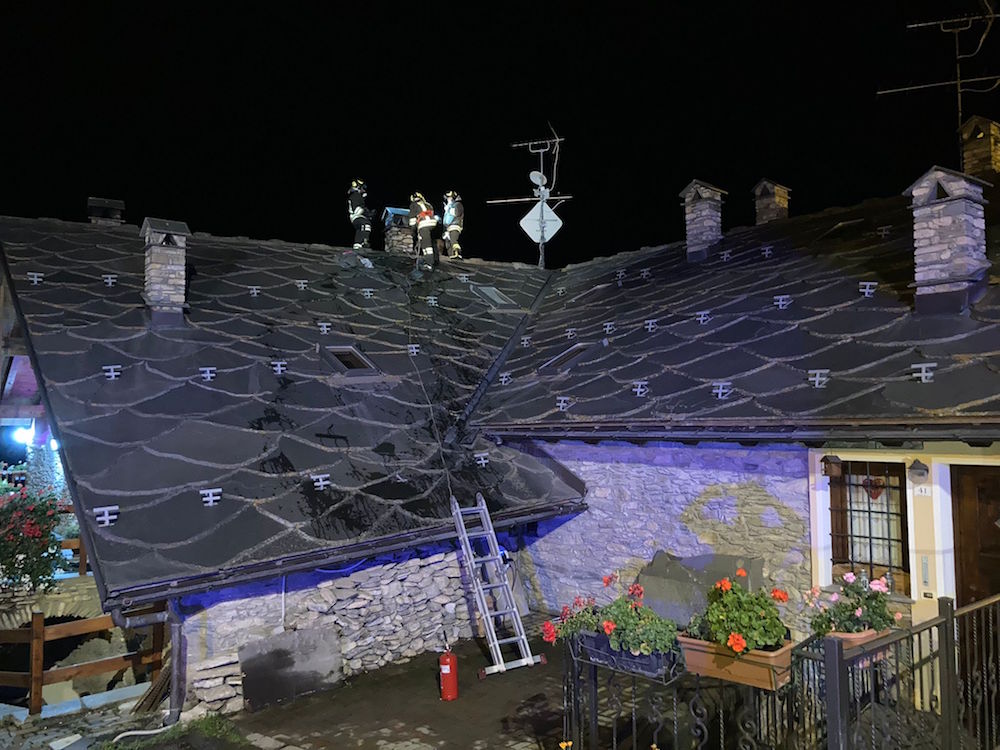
[940, 192]
[493, 296]
[868, 524]
[977, 132]
[349, 359]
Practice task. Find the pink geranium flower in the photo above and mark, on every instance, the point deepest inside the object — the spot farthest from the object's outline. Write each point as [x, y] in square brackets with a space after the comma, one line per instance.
[834, 597]
[857, 612]
[849, 578]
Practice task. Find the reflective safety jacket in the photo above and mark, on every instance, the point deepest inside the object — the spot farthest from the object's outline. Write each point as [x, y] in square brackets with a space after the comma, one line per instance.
[422, 215]
[356, 205]
[454, 215]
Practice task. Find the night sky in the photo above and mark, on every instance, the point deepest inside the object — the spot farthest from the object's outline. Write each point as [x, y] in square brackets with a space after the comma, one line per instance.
[244, 121]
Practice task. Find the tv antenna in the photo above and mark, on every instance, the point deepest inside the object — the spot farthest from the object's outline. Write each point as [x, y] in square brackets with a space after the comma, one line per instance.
[541, 222]
[955, 27]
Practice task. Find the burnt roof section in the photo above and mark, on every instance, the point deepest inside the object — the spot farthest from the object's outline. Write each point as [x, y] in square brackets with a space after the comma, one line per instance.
[770, 304]
[314, 464]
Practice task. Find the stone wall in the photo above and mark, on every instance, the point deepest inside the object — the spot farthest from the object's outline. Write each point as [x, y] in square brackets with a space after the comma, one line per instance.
[981, 149]
[75, 596]
[702, 218]
[399, 239]
[685, 500]
[949, 232]
[385, 611]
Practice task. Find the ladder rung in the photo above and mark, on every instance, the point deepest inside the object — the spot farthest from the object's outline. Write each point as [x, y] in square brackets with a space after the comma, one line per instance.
[492, 558]
[490, 586]
[476, 534]
[470, 511]
[504, 641]
[502, 612]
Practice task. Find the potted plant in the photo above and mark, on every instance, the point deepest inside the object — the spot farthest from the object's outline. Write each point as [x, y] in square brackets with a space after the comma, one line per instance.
[740, 636]
[857, 613]
[29, 553]
[623, 634]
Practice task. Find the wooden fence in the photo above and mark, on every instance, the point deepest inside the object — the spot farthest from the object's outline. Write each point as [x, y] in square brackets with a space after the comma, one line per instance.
[38, 634]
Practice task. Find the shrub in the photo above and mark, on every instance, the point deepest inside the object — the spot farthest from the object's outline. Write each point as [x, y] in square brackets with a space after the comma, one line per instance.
[29, 553]
[629, 625]
[740, 619]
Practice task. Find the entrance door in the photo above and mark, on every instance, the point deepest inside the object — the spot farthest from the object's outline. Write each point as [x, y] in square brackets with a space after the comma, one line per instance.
[975, 502]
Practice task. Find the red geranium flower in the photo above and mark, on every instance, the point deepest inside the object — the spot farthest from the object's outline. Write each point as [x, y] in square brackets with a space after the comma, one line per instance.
[609, 627]
[725, 584]
[609, 579]
[737, 642]
[779, 595]
[635, 590]
[741, 572]
[548, 632]
[564, 615]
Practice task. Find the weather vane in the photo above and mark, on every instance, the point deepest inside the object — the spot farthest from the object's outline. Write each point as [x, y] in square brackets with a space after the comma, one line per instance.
[541, 222]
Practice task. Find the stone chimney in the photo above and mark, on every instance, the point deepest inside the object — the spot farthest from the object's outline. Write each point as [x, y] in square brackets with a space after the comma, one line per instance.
[771, 200]
[105, 212]
[703, 217]
[165, 272]
[981, 148]
[949, 240]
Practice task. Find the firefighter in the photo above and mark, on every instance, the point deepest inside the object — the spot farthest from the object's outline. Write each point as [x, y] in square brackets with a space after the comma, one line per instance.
[422, 219]
[454, 220]
[358, 213]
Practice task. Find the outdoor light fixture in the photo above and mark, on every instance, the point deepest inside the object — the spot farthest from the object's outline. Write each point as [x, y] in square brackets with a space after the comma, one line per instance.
[831, 466]
[918, 472]
[24, 435]
[53, 444]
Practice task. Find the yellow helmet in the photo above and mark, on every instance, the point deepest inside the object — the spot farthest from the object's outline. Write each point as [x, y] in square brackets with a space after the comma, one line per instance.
[417, 197]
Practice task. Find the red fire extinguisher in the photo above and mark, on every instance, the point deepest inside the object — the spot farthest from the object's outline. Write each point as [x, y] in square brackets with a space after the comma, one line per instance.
[448, 667]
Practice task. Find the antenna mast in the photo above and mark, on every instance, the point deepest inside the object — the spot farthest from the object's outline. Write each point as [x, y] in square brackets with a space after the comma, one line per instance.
[541, 223]
[956, 26]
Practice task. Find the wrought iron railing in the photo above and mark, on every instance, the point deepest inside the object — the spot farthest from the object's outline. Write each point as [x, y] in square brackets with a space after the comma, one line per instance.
[932, 685]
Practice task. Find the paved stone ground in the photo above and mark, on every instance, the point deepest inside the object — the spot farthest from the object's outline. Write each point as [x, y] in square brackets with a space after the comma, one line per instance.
[394, 708]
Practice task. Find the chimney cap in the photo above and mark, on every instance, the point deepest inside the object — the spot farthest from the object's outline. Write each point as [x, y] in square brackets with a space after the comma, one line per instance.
[757, 188]
[953, 172]
[695, 186]
[966, 127]
[164, 226]
[112, 203]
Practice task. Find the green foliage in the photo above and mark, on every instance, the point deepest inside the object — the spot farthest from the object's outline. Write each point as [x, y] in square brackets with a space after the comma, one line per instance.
[30, 555]
[739, 618]
[214, 726]
[629, 625]
[859, 605]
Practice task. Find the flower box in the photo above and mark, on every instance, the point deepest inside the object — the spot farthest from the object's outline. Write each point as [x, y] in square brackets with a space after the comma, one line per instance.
[769, 670]
[597, 649]
[856, 639]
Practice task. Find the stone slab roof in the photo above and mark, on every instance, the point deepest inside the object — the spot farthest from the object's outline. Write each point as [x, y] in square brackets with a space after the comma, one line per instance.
[153, 438]
[769, 305]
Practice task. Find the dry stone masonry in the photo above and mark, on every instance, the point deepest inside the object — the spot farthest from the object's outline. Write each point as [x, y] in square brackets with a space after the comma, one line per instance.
[165, 259]
[396, 608]
[686, 501]
[770, 201]
[981, 148]
[949, 240]
[702, 217]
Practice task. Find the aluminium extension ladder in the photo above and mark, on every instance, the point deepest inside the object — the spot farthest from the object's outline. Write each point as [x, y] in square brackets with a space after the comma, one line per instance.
[488, 577]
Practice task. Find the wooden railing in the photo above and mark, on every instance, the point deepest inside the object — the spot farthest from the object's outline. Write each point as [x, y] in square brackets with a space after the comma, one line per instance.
[78, 545]
[37, 634]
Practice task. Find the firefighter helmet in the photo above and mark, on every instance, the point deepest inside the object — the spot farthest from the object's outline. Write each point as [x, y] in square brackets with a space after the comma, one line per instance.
[452, 195]
[417, 197]
[359, 185]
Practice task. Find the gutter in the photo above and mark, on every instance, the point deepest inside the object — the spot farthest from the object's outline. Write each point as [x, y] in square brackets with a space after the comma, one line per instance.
[977, 431]
[165, 589]
[178, 650]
